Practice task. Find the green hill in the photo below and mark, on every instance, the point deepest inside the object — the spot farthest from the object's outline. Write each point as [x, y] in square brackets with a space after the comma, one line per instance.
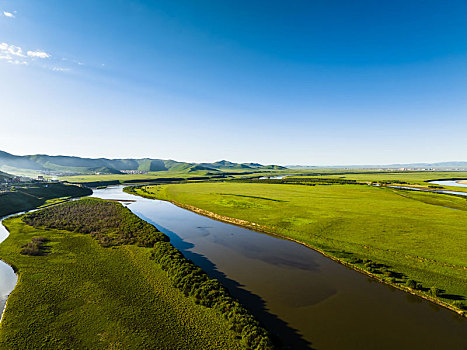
[63, 165]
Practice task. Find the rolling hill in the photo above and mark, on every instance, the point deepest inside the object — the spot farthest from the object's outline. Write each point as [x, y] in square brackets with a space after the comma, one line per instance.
[41, 163]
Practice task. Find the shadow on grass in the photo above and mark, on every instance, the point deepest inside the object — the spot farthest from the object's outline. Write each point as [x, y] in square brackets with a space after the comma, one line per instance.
[452, 296]
[284, 336]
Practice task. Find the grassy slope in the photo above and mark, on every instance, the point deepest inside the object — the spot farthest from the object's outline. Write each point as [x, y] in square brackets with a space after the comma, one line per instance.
[411, 232]
[82, 295]
[28, 197]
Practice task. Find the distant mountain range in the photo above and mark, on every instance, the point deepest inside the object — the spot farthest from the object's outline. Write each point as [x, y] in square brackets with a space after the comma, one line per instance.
[77, 165]
[439, 165]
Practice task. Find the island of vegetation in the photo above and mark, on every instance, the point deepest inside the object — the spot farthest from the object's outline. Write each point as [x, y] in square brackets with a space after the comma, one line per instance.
[414, 241]
[92, 275]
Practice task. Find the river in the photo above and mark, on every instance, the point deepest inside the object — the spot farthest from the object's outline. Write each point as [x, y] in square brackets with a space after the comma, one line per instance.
[306, 299]
[437, 182]
[8, 277]
[448, 183]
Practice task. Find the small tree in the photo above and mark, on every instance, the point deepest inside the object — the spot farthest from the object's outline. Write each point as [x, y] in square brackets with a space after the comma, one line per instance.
[411, 284]
[460, 304]
[435, 291]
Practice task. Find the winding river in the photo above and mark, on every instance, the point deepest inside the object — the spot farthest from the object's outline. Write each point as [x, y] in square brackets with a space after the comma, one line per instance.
[304, 298]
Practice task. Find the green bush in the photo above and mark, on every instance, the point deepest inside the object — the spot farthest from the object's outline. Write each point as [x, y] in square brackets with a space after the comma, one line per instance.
[460, 304]
[436, 292]
[35, 247]
[411, 284]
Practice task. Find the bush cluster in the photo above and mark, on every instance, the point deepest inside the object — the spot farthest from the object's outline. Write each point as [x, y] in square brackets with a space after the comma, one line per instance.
[35, 247]
[413, 284]
[193, 281]
[109, 222]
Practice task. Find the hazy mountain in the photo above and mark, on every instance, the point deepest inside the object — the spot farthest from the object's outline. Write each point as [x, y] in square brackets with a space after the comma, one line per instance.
[227, 165]
[70, 164]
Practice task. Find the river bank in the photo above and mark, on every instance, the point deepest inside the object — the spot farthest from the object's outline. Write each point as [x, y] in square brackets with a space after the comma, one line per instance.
[264, 229]
[301, 286]
[8, 277]
[80, 293]
[279, 206]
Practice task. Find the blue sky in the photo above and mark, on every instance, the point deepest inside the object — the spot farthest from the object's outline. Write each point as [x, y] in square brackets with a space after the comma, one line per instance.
[296, 82]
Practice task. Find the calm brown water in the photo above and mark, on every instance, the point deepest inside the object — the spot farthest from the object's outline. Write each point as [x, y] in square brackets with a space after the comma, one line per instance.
[305, 299]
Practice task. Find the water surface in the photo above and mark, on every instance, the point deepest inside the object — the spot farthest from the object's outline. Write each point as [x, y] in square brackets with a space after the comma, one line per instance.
[306, 299]
[449, 183]
[8, 277]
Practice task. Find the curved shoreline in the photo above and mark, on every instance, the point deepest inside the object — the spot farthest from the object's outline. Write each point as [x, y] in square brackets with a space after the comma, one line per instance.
[6, 229]
[11, 267]
[264, 229]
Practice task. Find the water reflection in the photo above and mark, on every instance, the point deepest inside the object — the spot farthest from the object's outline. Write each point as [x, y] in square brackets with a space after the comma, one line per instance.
[300, 295]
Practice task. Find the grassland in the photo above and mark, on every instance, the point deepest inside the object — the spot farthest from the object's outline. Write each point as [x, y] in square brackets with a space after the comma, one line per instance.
[417, 178]
[29, 196]
[121, 178]
[167, 176]
[95, 283]
[413, 240]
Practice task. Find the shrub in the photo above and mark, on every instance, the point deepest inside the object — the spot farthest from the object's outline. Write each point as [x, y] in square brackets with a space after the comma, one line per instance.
[411, 284]
[35, 247]
[460, 304]
[435, 291]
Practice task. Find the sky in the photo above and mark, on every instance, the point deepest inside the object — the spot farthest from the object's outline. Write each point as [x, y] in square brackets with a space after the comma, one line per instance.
[275, 82]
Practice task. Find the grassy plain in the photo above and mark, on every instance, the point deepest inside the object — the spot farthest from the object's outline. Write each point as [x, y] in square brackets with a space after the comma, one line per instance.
[131, 177]
[80, 295]
[395, 235]
[166, 176]
[418, 178]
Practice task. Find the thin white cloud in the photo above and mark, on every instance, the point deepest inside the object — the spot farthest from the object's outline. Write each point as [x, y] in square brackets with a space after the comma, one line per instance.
[22, 62]
[15, 55]
[38, 54]
[60, 69]
[8, 14]
[11, 50]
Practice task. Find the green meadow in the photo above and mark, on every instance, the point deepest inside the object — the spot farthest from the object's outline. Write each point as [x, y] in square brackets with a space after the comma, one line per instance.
[121, 178]
[97, 285]
[419, 178]
[413, 240]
